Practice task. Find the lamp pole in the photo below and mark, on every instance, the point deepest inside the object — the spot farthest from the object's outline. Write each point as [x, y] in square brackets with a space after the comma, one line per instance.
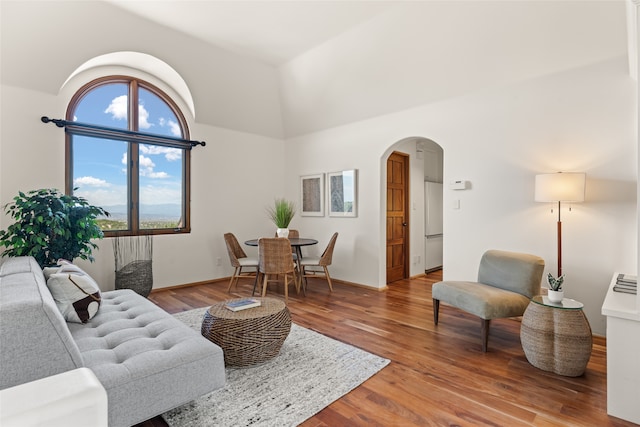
[559, 242]
[557, 188]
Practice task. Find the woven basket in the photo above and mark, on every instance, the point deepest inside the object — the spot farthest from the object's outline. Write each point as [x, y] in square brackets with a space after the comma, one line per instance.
[556, 340]
[250, 336]
[137, 275]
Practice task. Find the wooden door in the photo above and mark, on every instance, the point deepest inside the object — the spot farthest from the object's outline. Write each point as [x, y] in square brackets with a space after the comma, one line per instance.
[397, 217]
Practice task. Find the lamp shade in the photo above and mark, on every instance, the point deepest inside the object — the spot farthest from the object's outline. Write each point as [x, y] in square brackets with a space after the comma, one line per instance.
[560, 187]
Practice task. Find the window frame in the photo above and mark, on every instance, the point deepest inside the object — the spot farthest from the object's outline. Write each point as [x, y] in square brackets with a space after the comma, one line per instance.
[133, 184]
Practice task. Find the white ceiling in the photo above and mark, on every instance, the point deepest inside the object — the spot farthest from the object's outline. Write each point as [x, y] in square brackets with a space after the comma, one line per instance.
[271, 31]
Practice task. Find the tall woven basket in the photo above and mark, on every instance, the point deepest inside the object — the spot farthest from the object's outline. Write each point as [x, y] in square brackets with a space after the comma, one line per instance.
[134, 267]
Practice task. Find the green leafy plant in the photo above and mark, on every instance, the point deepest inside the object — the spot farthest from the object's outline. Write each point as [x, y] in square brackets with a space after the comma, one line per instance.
[51, 225]
[282, 212]
[555, 284]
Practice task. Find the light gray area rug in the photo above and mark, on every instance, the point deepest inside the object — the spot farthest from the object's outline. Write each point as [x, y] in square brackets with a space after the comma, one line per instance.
[310, 372]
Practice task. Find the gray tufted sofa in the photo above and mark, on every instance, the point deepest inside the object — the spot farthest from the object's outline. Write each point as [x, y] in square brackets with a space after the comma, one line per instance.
[147, 361]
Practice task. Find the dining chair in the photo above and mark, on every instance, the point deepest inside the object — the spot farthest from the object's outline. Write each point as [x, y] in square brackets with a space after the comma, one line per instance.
[274, 260]
[293, 234]
[307, 264]
[239, 260]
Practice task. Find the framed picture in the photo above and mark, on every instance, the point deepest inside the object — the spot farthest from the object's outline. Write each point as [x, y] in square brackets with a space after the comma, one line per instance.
[312, 195]
[343, 191]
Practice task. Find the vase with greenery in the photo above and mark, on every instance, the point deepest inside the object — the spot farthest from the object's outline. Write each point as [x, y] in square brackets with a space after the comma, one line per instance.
[281, 213]
[51, 225]
[555, 294]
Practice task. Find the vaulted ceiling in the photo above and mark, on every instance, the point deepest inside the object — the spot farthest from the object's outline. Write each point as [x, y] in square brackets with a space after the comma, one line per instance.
[271, 31]
[288, 68]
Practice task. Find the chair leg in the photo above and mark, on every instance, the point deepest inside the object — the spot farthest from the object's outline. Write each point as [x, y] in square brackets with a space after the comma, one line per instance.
[485, 334]
[286, 287]
[436, 309]
[297, 278]
[255, 282]
[233, 278]
[264, 285]
[296, 281]
[326, 273]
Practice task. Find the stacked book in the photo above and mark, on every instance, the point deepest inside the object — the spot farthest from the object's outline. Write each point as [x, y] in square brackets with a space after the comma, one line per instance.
[242, 304]
[626, 283]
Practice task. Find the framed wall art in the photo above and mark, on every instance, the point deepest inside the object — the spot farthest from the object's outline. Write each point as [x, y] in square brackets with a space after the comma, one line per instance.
[343, 191]
[312, 195]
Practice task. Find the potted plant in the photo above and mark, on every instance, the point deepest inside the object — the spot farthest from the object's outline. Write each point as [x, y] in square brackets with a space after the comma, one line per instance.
[51, 225]
[281, 213]
[555, 294]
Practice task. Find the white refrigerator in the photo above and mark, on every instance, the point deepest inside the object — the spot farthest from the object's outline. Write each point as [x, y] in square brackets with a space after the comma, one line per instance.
[433, 225]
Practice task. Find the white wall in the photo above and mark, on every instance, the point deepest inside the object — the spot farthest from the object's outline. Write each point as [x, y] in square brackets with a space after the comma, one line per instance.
[233, 178]
[577, 120]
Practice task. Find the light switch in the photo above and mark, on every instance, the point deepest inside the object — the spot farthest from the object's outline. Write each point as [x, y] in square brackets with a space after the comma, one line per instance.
[456, 204]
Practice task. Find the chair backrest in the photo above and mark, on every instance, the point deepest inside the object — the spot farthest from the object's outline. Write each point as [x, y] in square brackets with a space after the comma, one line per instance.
[512, 271]
[274, 254]
[327, 255]
[293, 234]
[234, 249]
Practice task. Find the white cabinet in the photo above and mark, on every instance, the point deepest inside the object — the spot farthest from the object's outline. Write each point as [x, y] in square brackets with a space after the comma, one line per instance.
[433, 253]
[623, 354]
[433, 159]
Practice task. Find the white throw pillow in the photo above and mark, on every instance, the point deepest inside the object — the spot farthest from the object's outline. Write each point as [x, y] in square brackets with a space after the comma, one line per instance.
[63, 266]
[76, 294]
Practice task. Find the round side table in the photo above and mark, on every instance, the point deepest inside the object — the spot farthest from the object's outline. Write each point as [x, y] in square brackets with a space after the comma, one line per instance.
[251, 336]
[556, 337]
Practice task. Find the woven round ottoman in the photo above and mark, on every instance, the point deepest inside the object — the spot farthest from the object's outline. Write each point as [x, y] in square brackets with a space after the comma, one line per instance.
[250, 336]
[556, 337]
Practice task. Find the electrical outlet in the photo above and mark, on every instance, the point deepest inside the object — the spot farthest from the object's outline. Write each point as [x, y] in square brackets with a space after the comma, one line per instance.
[218, 261]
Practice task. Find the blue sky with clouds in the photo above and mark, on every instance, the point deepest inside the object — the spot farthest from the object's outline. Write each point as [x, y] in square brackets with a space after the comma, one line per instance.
[100, 166]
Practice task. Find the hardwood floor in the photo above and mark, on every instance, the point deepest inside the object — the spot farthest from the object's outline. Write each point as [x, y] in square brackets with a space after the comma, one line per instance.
[438, 375]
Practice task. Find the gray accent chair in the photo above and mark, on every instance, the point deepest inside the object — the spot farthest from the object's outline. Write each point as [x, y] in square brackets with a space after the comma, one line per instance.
[506, 283]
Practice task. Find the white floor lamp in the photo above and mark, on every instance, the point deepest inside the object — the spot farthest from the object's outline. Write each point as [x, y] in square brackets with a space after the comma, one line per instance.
[557, 188]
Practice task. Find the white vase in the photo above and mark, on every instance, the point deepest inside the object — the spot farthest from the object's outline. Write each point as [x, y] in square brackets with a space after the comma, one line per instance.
[282, 232]
[555, 296]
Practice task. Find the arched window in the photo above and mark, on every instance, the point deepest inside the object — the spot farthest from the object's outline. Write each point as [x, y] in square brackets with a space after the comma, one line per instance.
[143, 184]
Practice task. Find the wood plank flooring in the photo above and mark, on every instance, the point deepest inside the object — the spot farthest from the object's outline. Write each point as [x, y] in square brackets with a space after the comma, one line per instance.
[438, 375]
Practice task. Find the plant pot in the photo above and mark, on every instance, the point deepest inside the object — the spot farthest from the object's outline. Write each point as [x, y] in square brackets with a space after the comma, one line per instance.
[555, 296]
[282, 232]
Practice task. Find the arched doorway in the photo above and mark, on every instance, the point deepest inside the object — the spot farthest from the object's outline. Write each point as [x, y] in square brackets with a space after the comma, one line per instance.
[407, 250]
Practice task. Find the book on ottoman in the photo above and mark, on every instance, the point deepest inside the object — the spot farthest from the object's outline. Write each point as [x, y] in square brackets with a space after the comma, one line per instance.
[242, 304]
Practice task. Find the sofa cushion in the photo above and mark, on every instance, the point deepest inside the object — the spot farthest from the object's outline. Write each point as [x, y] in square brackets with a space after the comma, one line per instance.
[63, 266]
[76, 294]
[148, 361]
